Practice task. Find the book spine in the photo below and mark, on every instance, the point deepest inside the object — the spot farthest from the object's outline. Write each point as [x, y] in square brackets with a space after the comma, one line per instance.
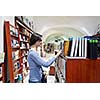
[66, 47]
[72, 48]
[76, 48]
[80, 47]
[85, 47]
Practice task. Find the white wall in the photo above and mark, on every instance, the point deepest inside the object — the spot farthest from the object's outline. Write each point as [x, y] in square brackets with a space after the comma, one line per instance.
[2, 19]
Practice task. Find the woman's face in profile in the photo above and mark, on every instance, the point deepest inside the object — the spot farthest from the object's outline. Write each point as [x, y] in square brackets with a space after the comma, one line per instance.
[39, 43]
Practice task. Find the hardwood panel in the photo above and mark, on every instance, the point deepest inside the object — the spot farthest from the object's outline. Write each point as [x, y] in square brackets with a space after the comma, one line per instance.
[83, 71]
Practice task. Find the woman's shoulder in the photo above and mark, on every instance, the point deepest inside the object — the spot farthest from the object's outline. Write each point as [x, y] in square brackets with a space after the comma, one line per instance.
[32, 52]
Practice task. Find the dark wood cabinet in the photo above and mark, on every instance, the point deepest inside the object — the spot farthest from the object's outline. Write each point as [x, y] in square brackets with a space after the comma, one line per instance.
[83, 71]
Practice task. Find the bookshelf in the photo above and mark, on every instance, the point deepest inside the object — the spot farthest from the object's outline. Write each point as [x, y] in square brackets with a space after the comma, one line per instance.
[24, 36]
[60, 69]
[83, 71]
[83, 61]
[16, 50]
[12, 53]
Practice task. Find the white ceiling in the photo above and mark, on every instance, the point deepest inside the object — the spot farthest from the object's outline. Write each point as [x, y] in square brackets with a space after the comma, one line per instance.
[71, 26]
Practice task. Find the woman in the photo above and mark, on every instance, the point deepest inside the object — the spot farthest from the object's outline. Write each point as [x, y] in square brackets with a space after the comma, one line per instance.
[36, 62]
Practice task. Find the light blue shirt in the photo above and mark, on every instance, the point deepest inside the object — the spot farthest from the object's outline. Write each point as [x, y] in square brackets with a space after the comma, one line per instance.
[35, 64]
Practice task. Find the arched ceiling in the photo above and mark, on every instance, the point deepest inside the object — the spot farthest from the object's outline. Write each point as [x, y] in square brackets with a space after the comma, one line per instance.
[61, 33]
[65, 26]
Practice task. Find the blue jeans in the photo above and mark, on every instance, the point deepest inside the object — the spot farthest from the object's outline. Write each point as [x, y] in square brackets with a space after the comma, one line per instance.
[34, 82]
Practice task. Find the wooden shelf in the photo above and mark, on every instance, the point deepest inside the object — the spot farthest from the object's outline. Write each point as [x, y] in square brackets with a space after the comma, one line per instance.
[23, 25]
[16, 60]
[15, 37]
[83, 71]
[23, 34]
[68, 57]
[11, 63]
[24, 49]
[24, 41]
[15, 48]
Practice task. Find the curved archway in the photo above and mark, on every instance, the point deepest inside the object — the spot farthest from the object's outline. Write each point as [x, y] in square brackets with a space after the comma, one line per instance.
[54, 36]
[51, 34]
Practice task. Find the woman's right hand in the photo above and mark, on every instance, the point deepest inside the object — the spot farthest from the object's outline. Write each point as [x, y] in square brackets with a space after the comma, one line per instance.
[59, 52]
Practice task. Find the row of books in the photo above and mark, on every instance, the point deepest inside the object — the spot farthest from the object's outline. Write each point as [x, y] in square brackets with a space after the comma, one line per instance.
[26, 20]
[25, 32]
[24, 45]
[83, 47]
[14, 43]
[24, 59]
[77, 47]
[16, 65]
[15, 55]
[23, 38]
[14, 31]
[93, 47]
[24, 53]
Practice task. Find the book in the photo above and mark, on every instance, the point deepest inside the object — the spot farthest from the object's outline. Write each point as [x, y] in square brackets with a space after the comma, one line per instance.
[80, 47]
[76, 48]
[70, 45]
[72, 48]
[85, 47]
[66, 47]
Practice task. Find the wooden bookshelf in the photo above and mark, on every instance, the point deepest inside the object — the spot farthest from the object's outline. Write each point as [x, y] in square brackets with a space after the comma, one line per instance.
[16, 49]
[24, 36]
[79, 69]
[12, 46]
[83, 71]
